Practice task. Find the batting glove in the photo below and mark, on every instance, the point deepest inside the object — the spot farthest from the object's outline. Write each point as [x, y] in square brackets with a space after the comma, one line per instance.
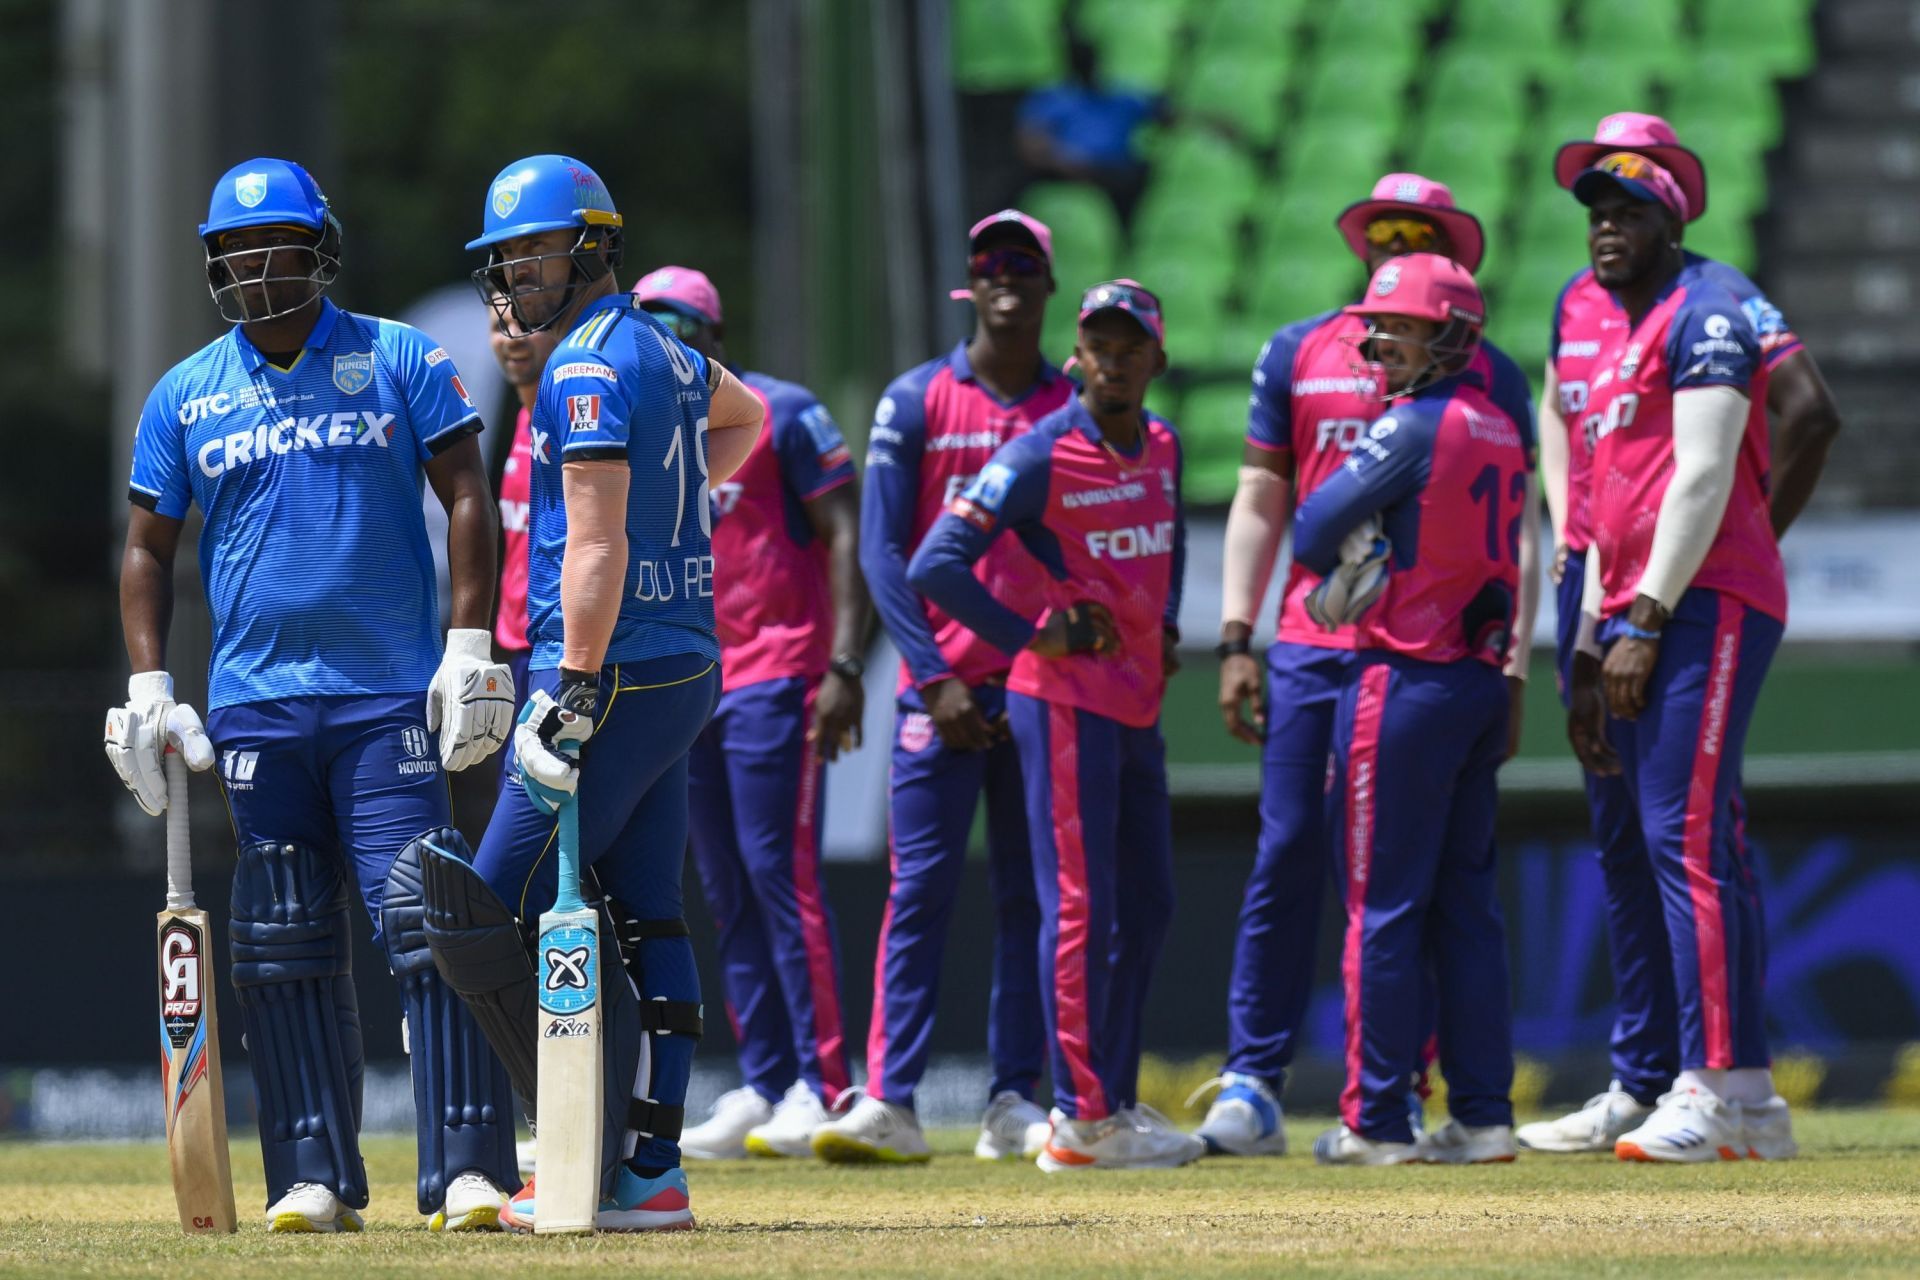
[473, 694]
[552, 729]
[140, 734]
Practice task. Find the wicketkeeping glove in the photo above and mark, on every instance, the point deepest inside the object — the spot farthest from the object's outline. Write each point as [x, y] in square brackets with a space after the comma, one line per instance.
[1357, 581]
[547, 741]
[473, 695]
[140, 733]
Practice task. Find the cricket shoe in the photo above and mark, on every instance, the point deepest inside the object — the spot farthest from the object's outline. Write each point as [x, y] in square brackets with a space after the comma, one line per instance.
[1132, 1138]
[1245, 1120]
[872, 1132]
[473, 1203]
[310, 1207]
[1596, 1126]
[1341, 1145]
[658, 1203]
[789, 1133]
[1690, 1126]
[1158, 1143]
[723, 1134]
[1456, 1143]
[1768, 1130]
[1012, 1127]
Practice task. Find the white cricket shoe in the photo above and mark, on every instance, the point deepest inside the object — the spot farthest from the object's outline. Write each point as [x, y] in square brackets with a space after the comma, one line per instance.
[1012, 1127]
[310, 1207]
[525, 1153]
[789, 1134]
[872, 1132]
[1158, 1144]
[1341, 1145]
[473, 1203]
[1077, 1145]
[1456, 1143]
[723, 1134]
[1690, 1126]
[1245, 1120]
[1596, 1126]
[1768, 1130]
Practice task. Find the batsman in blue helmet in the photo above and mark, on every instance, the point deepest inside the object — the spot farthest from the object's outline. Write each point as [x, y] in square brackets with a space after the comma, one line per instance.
[629, 428]
[304, 434]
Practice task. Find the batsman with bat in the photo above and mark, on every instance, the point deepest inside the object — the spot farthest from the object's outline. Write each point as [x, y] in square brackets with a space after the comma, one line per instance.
[304, 434]
[629, 427]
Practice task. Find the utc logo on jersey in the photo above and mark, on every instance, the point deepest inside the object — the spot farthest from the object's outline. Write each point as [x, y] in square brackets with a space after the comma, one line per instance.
[352, 372]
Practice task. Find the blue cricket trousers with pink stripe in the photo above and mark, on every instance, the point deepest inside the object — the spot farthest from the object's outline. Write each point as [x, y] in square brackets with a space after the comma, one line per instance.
[1680, 761]
[933, 792]
[754, 795]
[1102, 830]
[1415, 750]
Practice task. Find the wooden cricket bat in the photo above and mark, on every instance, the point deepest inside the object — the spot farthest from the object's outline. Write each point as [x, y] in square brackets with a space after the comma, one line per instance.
[570, 1083]
[190, 1035]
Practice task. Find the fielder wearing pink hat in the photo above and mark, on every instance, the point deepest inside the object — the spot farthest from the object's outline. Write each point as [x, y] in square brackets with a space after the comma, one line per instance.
[1424, 286]
[1409, 195]
[683, 289]
[1008, 228]
[1634, 174]
[1645, 135]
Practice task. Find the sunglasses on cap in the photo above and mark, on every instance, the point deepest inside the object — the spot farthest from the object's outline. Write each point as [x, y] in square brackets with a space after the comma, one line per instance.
[1626, 164]
[988, 263]
[1418, 235]
[679, 323]
[1131, 296]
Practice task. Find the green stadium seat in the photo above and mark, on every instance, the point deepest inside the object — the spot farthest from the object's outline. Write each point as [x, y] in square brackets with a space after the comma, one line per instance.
[1006, 44]
[1137, 39]
[1776, 34]
[1450, 149]
[1346, 157]
[1473, 84]
[1381, 28]
[1356, 89]
[1243, 93]
[1082, 219]
[1311, 280]
[1724, 235]
[1598, 83]
[1528, 33]
[1726, 86]
[1213, 431]
[1650, 28]
[1244, 30]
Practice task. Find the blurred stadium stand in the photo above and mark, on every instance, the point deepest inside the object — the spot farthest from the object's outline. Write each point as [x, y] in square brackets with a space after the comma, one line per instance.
[1284, 111]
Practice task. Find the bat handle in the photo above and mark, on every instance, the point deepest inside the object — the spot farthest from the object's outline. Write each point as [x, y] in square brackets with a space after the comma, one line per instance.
[179, 844]
[567, 898]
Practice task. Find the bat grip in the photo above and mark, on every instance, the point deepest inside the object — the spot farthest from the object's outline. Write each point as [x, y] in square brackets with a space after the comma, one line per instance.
[179, 844]
[567, 897]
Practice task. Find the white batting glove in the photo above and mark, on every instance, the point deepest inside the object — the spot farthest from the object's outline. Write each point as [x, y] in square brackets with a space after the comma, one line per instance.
[473, 695]
[140, 733]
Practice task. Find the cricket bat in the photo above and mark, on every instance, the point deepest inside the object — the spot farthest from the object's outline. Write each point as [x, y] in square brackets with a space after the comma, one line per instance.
[190, 1035]
[570, 1084]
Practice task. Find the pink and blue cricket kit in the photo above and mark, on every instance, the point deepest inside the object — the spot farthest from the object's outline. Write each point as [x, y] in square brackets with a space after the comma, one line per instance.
[1645, 1037]
[1107, 527]
[1419, 730]
[754, 782]
[933, 432]
[1312, 401]
[1681, 759]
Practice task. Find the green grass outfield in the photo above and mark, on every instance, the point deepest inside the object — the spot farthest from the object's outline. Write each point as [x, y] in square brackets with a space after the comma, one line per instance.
[1850, 1205]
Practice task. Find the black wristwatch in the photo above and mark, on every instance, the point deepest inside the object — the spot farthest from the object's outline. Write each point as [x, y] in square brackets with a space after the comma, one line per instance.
[1228, 648]
[850, 665]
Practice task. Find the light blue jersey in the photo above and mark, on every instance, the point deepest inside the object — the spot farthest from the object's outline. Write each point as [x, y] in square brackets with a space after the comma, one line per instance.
[314, 551]
[622, 387]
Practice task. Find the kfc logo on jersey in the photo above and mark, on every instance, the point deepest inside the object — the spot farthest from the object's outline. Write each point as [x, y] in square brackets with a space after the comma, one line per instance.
[583, 413]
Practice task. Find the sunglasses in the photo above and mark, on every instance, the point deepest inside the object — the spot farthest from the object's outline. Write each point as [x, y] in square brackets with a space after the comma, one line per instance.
[1129, 296]
[1416, 234]
[1626, 164]
[1005, 262]
[679, 323]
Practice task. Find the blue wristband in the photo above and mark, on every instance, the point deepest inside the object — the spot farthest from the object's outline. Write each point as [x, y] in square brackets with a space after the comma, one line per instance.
[1637, 633]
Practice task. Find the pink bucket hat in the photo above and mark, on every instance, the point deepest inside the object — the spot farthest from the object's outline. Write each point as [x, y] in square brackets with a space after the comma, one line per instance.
[1647, 135]
[1420, 197]
[1635, 174]
[683, 289]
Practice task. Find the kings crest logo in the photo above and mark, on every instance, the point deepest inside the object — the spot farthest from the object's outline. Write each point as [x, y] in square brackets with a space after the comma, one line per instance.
[506, 195]
[250, 189]
[352, 372]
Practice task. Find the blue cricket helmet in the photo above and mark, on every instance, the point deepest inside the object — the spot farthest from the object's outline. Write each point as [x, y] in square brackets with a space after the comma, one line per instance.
[265, 192]
[544, 193]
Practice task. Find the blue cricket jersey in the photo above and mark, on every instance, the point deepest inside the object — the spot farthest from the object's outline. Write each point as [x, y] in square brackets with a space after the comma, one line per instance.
[622, 387]
[314, 549]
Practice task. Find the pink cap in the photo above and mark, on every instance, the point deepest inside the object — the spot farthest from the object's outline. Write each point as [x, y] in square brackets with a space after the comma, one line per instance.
[1425, 286]
[684, 289]
[1646, 135]
[1420, 197]
[1131, 297]
[1634, 173]
[1037, 231]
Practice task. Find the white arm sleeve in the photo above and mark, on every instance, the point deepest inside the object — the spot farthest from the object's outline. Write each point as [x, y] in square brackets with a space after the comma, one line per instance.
[1527, 607]
[1707, 426]
[1586, 639]
[1256, 523]
[1554, 453]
